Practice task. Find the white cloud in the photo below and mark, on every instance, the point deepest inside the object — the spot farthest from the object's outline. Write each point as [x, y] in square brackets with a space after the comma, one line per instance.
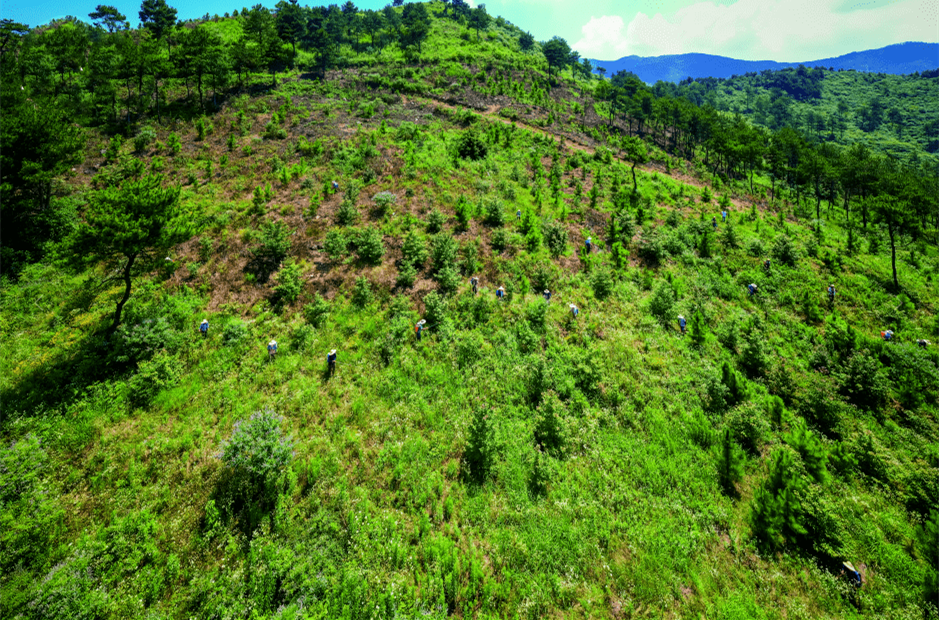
[761, 30]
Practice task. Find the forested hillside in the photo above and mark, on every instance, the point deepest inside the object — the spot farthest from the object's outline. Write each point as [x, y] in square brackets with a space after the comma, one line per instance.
[600, 351]
[893, 114]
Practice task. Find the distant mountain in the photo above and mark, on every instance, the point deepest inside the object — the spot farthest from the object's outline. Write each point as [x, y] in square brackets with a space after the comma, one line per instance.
[898, 59]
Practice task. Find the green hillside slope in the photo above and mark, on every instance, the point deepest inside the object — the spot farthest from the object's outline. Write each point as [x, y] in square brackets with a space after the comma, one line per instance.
[511, 459]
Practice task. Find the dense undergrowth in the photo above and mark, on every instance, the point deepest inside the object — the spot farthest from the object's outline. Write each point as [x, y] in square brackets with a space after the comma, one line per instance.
[513, 461]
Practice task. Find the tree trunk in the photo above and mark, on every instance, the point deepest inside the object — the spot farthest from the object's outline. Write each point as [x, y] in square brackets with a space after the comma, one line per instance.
[893, 257]
[635, 184]
[120, 304]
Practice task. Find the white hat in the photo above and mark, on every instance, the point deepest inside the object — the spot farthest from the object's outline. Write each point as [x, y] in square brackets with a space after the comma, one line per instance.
[333, 352]
[422, 321]
[205, 320]
[680, 316]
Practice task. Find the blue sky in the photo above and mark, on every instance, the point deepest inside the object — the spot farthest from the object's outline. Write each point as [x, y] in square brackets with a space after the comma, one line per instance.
[791, 30]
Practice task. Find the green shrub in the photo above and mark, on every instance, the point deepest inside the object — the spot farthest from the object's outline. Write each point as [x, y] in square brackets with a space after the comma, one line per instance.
[369, 246]
[153, 376]
[499, 240]
[551, 432]
[274, 242]
[863, 382]
[470, 145]
[755, 247]
[748, 427]
[257, 450]
[730, 464]
[336, 245]
[348, 214]
[478, 454]
[662, 301]
[414, 249]
[602, 283]
[234, 334]
[555, 236]
[288, 283]
[407, 275]
[315, 313]
[384, 201]
[435, 221]
[435, 308]
[464, 212]
[143, 139]
[448, 279]
[494, 212]
[784, 251]
[443, 252]
[362, 292]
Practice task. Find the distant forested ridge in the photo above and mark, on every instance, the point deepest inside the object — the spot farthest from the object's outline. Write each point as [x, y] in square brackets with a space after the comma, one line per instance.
[899, 59]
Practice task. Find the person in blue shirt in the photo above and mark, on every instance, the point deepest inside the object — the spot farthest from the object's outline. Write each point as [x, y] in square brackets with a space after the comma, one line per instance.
[723, 216]
[682, 324]
[335, 186]
[574, 310]
[888, 335]
[518, 214]
[547, 295]
[500, 292]
[714, 222]
[587, 244]
[272, 350]
[766, 265]
[752, 289]
[831, 293]
[204, 327]
[419, 328]
[474, 281]
[331, 362]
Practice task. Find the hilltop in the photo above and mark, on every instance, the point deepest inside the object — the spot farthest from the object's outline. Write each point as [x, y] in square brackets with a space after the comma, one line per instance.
[513, 458]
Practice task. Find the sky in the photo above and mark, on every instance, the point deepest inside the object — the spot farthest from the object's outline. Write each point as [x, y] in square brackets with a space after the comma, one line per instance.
[784, 31]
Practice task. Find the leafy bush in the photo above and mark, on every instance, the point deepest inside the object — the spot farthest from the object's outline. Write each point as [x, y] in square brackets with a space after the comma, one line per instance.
[348, 214]
[288, 283]
[384, 201]
[748, 427]
[730, 464]
[499, 240]
[602, 283]
[144, 138]
[478, 454]
[464, 212]
[234, 333]
[336, 245]
[274, 243]
[435, 221]
[494, 213]
[470, 145]
[551, 432]
[443, 252]
[863, 382]
[414, 249]
[435, 308]
[777, 516]
[555, 236]
[784, 251]
[362, 292]
[650, 248]
[315, 313]
[755, 247]
[369, 246]
[257, 450]
[661, 302]
[407, 275]
[154, 375]
[141, 340]
[448, 279]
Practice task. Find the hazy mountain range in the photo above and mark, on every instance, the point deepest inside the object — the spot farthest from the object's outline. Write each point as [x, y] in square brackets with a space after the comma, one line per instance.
[898, 59]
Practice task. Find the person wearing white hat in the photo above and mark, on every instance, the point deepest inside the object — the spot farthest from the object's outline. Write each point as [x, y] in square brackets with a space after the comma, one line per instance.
[474, 281]
[204, 327]
[500, 292]
[419, 327]
[682, 324]
[923, 343]
[574, 310]
[272, 349]
[547, 295]
[331, 362]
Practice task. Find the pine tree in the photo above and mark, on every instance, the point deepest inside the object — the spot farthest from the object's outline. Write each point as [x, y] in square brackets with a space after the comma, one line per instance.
[477, 458]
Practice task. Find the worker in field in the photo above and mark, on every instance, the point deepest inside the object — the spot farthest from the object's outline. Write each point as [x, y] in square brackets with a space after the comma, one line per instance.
[574, 311]
[923, 343]
[682, 324]
[887, 335]
[331, 362]
[766, 265]
[474, 282]
[588, 244]
[547, 295]
[271, 350]
[204, 327]
[752, 288]
[419, 328]
[714, 222]
[335, 185]
[500, 292]
[723, 216]
[518, 214]
[831, 293]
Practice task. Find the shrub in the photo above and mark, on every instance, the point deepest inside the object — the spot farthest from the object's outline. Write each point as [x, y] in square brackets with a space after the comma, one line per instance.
[274, 243]
[470, 263]
[384, 201]
[152, 376]
[201, 128]
[288, 283]
[784, 251]
[464, 211]
[348, 214]
[536, 312]
[477, 456]
[258, 450]
[369, 246]
[494, 213]
[362, 292]
[650, 248]
[755, 247]
[435, 308]
[730, 464]
[144, 138]
[315, 313]
[173, 143]
[443, 252]
[550, 425]
[748, 427]
[706, 195]
[500, 240]
[470, 145]
[273, 131]
[753, 355]
[407, 275]
[335, 245]
[448, 279]
[555, 236]
[661, 302]
[776, 515]
[435, 221]
[729, 237]
[234, 334]
[414, 249]
[863, 382]
[602, 283]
